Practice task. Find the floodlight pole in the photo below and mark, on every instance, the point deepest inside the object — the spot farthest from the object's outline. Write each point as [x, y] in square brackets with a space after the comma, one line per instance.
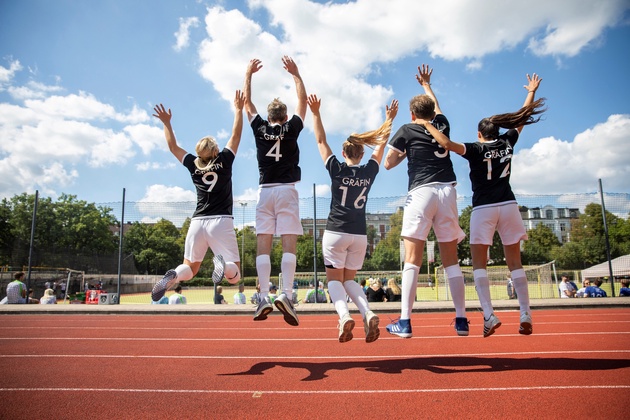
[30, 249]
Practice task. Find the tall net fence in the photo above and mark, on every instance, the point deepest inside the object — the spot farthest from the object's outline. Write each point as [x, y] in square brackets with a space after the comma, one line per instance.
[154, 234]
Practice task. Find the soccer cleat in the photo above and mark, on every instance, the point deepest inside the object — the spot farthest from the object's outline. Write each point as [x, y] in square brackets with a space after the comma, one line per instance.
[264, 308]
[370, 325]
[163, 285]
[526, 324]
[346, 324]
[490, 325]
[284, 305]
[401, 328]
[461, 326]
[219, 268]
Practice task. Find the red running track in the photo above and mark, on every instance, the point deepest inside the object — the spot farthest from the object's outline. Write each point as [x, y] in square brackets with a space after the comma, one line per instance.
[575, 365]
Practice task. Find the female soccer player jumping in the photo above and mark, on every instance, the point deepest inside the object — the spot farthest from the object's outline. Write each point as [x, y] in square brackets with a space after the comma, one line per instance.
[494, 204]
[345, 238]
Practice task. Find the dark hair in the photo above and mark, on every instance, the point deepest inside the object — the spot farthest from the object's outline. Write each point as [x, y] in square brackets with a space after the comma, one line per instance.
[489, 127]
[178, 288]
[19, 275]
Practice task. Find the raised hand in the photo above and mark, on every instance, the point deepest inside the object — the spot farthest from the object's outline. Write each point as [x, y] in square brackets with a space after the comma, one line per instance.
[424, 74]
[239, 100]
[254, 65]
[391, 110]
[162, 114]
[290, 66]
[314, 103]
[532, 83]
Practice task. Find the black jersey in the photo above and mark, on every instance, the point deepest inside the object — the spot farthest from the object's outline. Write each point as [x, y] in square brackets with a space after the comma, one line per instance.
[427, 161]
[350, 188]
[214, 186]
[490, 169]
[277, 150]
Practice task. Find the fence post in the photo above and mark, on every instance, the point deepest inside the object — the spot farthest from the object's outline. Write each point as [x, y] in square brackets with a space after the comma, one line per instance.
[120, 246]
[30, 247]
[610, 269]
[316, 281]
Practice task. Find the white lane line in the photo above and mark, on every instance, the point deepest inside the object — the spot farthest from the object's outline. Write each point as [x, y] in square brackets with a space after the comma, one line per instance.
[437, 337]
[352, 357]
[258, 393]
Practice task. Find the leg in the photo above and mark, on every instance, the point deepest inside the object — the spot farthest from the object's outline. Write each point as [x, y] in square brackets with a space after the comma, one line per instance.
[263, 262]
[513, 259]
[288, 264]
[413, 261]
[338, 297]
[480, 257]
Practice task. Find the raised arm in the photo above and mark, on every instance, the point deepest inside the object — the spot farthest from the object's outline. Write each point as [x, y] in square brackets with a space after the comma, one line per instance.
[424, 78]
[165, 117]
[390, 114]
[532, 86]
[252, 67]
[237, 127]
[442, 140]
[291, 67]
[320, 135]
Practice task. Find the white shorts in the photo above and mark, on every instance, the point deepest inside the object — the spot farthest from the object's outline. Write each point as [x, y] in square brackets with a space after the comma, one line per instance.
[214, 232]
[278, 211]
[504, 218]
[433, 205]
[343, 250]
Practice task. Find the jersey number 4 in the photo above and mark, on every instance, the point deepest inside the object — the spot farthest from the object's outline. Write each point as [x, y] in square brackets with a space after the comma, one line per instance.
[274, 152]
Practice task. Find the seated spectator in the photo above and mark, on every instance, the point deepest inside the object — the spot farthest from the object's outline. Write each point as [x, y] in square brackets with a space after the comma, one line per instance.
[594, 290]
[580, 292]
[375, 292]
[162, 301]
[312, 297]
[218, 296]
[16, 290]
[255, 299]
[31, 299]
[363, 284]
[566, 288]
[49, 297]
[511, 291]
[625, 290]
[177, 298]
[239, 297]
[393, 291]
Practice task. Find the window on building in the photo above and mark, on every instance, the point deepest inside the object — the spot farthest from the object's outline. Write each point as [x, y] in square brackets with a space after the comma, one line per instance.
[561, 213]
[549, 214]
[536, 214]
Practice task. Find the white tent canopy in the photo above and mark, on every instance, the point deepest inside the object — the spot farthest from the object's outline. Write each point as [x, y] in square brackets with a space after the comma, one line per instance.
[620, 266]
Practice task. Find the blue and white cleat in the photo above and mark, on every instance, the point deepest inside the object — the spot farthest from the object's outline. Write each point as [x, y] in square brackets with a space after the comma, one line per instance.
[219, 269]
[169, 279]
[401, 328]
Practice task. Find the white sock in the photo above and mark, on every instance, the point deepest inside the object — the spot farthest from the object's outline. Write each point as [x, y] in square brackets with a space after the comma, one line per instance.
[409, 288]
[356, 293]
[287, 266]
[458, 289]
[483, 291]
[338, 297]
[519, 278]
[184, 272]
[263, 268]
[232, 273]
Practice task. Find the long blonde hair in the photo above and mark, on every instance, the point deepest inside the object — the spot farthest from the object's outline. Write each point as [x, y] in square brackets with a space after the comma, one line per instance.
[393, 284]
[353, 146]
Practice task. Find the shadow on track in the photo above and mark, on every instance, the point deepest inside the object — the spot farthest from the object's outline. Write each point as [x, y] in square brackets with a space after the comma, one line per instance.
[318, 371]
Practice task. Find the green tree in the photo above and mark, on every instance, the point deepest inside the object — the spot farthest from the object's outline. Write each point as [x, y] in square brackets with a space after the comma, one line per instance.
[588, 232]
[568, 256]
[156, 248]
[537, 249]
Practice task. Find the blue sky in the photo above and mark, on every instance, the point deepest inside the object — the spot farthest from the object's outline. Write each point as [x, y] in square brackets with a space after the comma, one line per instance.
[78, 81]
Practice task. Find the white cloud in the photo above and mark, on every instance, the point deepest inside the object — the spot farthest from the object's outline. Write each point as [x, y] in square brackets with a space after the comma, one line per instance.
[338, 67]
[45, 141]
[250, 194]
[147, 166]
[182, 36]
[160, 200]
[322, 190]
[6, 74]
[554, 166]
